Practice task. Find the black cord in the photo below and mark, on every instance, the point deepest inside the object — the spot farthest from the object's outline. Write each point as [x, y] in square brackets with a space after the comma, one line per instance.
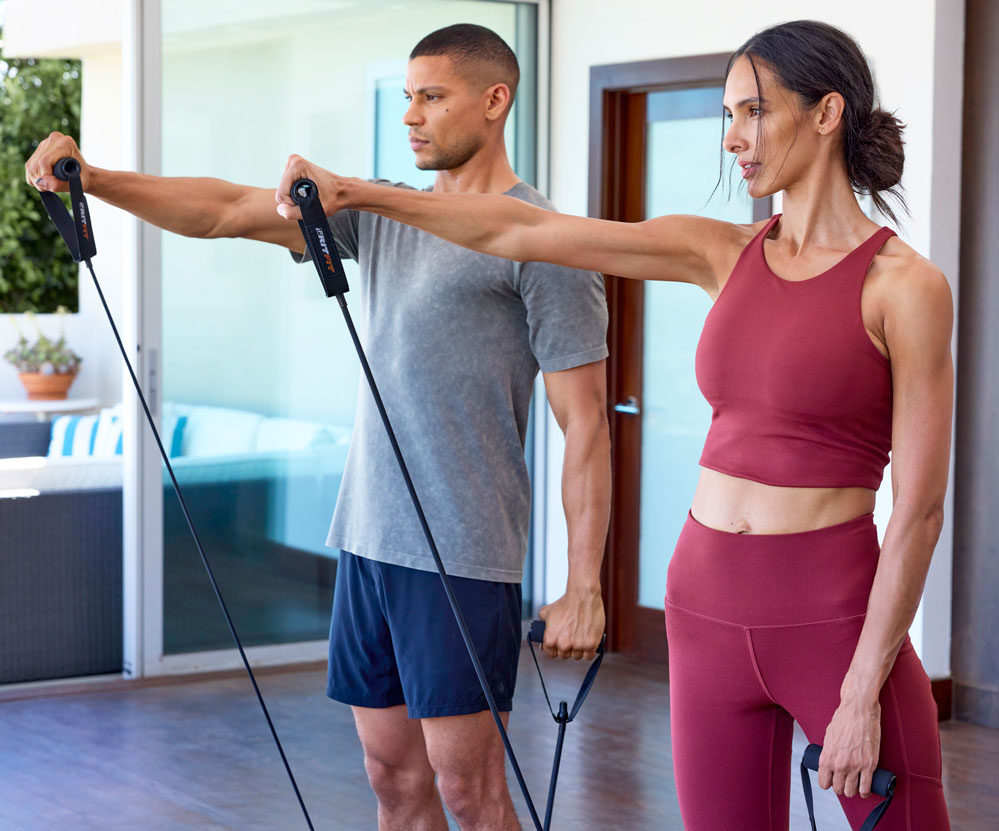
[201, 549]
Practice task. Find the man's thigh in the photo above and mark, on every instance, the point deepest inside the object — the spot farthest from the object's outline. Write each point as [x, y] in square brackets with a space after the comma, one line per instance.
[466, 746]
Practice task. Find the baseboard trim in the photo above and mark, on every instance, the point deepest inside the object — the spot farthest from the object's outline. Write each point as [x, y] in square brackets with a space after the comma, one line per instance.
[977, 705]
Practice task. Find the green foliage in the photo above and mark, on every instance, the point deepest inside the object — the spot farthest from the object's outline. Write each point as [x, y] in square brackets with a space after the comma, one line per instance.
[37, 96]
[44, 355]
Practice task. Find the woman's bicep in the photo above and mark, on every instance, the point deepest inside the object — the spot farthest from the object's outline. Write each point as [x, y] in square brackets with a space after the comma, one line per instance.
[918, 332]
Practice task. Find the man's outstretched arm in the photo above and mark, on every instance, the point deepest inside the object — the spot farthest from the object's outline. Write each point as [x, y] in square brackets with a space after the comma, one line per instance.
[575, 622]
[194, 207]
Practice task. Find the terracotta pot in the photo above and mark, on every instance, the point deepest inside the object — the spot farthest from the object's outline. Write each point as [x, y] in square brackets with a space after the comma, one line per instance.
[42, 387]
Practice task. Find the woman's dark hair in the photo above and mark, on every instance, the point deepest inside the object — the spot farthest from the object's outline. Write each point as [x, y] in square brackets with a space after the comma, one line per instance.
[813, 59]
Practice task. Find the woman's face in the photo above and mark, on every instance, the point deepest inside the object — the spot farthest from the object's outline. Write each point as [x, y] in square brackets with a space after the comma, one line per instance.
[769, 133]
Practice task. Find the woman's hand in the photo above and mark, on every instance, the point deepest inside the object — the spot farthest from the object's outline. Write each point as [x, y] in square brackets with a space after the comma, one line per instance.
[38, 169]
[851, 748]
[332, 188]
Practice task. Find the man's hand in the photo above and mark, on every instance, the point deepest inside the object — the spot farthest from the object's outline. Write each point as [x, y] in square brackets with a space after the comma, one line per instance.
[38, 169]
[574, 624]
[332, 188]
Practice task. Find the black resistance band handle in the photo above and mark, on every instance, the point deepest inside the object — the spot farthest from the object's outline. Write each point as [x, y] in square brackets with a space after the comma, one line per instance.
[76, 231]
[882, 784]
[536, 635]
[318, 237]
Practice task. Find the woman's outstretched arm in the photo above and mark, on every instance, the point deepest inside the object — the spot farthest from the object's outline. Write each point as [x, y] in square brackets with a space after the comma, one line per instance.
[678, 248]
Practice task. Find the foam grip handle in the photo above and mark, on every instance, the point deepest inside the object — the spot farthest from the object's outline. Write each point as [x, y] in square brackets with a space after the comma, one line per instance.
[883, 783]
[303, 191]
[64, 168]
[537, 631]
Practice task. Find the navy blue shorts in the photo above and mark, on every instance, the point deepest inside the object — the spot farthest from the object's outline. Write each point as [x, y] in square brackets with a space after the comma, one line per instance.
[394, 640]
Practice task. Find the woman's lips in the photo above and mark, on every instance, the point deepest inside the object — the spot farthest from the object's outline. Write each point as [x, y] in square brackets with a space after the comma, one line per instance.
[749, 170]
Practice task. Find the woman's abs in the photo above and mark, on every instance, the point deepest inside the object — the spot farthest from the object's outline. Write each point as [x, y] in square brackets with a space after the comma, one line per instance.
[741, 506]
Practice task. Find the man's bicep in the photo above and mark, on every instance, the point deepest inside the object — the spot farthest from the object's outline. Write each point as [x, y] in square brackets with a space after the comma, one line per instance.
[579, 392]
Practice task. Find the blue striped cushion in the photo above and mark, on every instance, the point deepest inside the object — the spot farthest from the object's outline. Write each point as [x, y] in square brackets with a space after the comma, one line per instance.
[102, 435]
[73, 435]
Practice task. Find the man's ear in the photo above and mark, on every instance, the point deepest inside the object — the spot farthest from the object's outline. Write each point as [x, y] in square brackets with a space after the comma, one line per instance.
[498, 101]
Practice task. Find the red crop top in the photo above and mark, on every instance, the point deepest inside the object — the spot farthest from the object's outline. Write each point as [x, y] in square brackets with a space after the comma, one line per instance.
[799, 394]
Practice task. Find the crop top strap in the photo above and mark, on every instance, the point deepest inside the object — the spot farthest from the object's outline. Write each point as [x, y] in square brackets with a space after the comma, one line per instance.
[869, 250]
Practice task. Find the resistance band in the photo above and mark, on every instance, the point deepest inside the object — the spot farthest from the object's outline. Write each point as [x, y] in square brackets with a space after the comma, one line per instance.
[882, 784]
[319, 240]
[78, 234]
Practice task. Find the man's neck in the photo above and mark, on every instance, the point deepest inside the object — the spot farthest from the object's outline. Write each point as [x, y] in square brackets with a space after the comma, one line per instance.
[488, 171]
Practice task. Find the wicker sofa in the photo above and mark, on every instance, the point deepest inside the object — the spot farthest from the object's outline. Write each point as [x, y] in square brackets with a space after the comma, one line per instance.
[262, 509]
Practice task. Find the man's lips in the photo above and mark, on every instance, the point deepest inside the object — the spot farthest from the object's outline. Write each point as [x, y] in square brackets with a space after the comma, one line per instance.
[416, 143]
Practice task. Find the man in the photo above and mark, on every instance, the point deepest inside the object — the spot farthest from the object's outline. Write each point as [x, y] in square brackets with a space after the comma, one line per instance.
[455, 340]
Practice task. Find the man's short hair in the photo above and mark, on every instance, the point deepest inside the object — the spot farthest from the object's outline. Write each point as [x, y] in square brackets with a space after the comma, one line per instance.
[474, 49]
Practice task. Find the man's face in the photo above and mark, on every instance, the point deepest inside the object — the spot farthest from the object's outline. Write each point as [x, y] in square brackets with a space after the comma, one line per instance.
[446, 115]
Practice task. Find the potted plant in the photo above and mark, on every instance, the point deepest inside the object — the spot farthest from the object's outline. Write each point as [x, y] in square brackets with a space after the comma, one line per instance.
[47, 367]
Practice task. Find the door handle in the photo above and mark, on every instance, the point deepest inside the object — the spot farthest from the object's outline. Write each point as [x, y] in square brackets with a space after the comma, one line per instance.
[629, 406]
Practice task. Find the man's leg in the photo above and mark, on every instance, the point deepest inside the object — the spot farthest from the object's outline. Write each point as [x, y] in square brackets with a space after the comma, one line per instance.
[467, 754]
[395, 757]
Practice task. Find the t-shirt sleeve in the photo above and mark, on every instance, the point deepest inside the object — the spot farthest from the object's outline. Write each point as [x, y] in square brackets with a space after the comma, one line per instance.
[566, 314]
[345, 227]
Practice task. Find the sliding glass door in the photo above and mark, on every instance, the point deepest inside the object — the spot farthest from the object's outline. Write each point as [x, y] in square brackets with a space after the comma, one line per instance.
[259, 379]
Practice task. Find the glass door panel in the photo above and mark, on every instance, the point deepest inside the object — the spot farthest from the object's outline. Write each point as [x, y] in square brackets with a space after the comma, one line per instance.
[260, 378]
[683, 131]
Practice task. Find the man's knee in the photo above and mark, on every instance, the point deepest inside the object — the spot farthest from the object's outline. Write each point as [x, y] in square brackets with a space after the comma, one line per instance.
[471, 795]
[397, 783]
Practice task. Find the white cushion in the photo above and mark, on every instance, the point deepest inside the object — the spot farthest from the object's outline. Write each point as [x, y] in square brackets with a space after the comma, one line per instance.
[213, 431]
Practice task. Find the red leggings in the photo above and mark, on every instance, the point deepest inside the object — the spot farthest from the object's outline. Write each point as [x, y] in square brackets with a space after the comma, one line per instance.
[761, 631]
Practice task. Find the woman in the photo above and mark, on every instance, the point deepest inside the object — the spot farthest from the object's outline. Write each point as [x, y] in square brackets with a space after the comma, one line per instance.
[828, 345]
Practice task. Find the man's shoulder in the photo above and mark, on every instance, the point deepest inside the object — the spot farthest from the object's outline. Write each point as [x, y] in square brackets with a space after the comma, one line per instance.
[528, 193]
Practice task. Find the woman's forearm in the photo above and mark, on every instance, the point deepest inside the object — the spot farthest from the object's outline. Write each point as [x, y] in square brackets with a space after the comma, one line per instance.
[909, 542]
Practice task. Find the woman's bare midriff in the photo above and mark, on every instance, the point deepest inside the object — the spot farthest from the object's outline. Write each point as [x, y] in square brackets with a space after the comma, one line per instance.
[741, 506]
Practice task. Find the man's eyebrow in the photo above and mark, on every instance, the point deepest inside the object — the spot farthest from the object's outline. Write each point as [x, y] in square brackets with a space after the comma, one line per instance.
[425, 90]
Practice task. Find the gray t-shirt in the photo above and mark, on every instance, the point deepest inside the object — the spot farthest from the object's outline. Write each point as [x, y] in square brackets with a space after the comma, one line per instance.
[455, 340]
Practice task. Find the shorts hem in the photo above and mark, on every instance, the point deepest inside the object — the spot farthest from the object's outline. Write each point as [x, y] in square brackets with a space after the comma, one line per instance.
[354, 700]
[504, 706]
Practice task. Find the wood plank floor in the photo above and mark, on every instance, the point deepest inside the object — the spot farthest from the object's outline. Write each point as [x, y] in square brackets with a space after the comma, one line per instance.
[198, 756]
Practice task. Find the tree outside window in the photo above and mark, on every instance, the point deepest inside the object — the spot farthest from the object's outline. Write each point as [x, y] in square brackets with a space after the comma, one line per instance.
[37, 96]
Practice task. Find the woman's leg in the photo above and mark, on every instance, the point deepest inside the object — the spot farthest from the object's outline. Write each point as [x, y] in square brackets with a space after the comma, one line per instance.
[804, 667]
[731, 743]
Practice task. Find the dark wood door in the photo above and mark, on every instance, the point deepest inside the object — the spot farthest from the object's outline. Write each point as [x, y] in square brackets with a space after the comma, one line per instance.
[655, 148]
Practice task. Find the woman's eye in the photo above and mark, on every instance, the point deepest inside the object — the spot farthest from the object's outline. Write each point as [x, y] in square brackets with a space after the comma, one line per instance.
[754, 111]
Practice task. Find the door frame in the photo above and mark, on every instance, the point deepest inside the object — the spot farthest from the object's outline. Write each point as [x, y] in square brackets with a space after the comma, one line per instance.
[617, 191]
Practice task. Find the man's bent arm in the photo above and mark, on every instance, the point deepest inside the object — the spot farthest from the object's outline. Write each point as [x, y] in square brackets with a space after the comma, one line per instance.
[578, 398]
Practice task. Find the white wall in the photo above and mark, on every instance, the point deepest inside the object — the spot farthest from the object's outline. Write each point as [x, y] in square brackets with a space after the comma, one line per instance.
[916, 51]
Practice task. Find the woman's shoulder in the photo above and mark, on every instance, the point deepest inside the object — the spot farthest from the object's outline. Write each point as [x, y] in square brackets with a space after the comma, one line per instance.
[907, 283]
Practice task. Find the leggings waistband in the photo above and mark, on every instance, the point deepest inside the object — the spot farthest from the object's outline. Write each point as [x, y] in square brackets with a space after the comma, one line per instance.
[774, 579]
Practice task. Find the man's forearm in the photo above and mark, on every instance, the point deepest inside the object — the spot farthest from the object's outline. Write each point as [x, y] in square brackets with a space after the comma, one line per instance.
[586, 495]
[193, 207]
